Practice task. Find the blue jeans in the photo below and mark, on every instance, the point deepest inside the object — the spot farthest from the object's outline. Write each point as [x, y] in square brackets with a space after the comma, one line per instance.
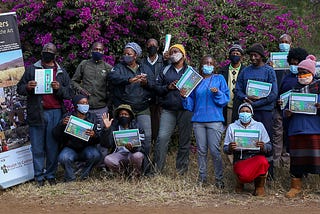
[67, 157]
[45, 148]
[209, 135]
[168, 121]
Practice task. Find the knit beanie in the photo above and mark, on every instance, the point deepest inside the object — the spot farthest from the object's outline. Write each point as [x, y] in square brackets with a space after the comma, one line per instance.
[245, 105]
[180, 47]
[309, 64]
[236, 47]
[77, 98]
[257, 48]
[134, 46]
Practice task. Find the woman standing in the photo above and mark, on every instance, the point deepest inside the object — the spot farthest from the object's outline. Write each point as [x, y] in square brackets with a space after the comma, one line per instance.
[207, 102]
[304, 134]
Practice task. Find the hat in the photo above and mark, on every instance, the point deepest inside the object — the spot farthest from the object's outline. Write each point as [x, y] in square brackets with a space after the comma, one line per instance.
[236, 47]
[123, 107]
[180, 47]
[245, 105]
[309, 64]
[77, 98]
[257, 48]
[134, 46]
[49, 48]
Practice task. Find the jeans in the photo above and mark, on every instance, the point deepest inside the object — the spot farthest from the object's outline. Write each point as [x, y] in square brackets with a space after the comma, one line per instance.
[44, 147]
[168, 121]
[67, 157]
[208, 135]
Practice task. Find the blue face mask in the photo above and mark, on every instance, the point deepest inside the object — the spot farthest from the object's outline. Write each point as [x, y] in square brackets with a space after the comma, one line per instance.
[294, 69]
[284, 47]
[83, 108]
[207, 69]
[96, 56]
[245, 117]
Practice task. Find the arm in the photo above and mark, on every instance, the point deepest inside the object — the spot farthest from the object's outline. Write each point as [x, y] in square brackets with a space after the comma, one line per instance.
[161, 87]
[222, 96]
[23, 83]
[188, 102]
[228, 140]
[117, 77]
[240, 89]
[63, 91]
[77, 79]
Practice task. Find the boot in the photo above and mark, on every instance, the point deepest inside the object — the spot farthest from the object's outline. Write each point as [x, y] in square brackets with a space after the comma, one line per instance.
[239, 186]
[295, 188]
[259, 185]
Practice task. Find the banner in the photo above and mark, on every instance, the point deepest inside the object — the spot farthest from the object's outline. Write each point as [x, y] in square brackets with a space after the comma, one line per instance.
[14, 132]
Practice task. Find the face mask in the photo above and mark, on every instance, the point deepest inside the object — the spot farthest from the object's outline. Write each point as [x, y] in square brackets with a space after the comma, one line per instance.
[96, 56]
[234, 59]
[207, 69]
[47, 57]
[83, 108]
[152, 50]
[127, 59]
[123, 121]
[294, 69]
[284, 47]
[175, 57]
[305, 79]
[245, 117]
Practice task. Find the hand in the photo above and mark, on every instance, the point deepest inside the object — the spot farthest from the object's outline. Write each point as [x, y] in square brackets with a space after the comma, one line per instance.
[84, 92]
[31, 85]
[172, 85]
[261, 145]
[253, 98]
[166, 55]
[106, 120]
[65, 120]
[317, 105]
[143, 79]
[288, 113]
[280, 102]
[247, 100]
[55, 85]
[90, 132]
[214, 90]
[135, 79]
[183, 92]
[270, 63]
[232, 146]
[129, 146]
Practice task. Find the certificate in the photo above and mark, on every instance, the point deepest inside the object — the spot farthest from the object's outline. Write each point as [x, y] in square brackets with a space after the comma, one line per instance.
[122, 137]
[279, 60]
[246, 139]
[303, 103]
[258, 89]
[167, 43]
[285, 98]
[43, 77]
[189, 80]
[77, 128]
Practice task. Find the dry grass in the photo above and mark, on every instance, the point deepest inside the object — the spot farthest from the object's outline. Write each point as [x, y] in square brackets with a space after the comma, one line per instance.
[165, 190]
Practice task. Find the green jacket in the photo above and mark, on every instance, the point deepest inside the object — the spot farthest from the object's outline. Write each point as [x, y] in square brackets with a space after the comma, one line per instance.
[91, 77]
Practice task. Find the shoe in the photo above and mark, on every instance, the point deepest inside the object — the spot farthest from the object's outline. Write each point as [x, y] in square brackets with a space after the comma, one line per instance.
[52, 181]
[259, 183]
[296, 188]
[219, 184]
[40, 183]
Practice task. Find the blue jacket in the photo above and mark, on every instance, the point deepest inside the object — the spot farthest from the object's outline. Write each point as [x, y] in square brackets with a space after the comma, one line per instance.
[208, 106]
[263, 73]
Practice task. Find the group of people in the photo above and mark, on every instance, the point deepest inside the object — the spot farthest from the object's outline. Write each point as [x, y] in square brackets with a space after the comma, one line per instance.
[144, 96]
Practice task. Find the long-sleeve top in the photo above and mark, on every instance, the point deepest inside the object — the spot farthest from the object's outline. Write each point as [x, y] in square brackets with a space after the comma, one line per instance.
[206, 105]
[245, 154]
[263, 73]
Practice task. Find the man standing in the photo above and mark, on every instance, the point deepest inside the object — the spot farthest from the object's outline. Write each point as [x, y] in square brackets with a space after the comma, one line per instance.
[44, 112]
[230, 73]
[90, 79]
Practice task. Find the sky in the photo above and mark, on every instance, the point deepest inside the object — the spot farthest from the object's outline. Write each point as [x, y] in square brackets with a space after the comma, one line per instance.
[10, 55]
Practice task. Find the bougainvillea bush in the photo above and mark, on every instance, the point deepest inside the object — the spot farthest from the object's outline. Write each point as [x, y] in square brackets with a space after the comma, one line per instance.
[204, 27]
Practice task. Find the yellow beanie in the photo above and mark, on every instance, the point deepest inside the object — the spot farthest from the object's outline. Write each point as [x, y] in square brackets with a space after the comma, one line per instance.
[180, 47]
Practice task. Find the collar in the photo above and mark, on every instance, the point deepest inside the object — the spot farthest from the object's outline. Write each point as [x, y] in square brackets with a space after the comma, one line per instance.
[153, 62]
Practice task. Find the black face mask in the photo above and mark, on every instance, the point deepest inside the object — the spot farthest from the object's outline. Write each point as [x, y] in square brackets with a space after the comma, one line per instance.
[127, 59]
[234, 59]
[123, 121]
[152, 50]
[47, 57]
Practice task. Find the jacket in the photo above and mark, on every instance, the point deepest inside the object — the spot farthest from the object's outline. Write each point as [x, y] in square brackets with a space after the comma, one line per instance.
[34, 101]
[92, 77]
[133, 94]
[75, 143]
[205, 105]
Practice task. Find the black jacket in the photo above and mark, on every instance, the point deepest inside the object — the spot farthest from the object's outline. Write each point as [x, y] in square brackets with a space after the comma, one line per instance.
[34, 101]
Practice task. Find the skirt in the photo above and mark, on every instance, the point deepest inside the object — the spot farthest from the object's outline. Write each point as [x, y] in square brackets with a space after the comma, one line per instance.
[304, 154]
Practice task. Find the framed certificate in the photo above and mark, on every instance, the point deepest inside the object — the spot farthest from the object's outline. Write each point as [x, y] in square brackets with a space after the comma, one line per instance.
[122, 137]
[303, 103]
[258, 88]
[279, 60]
[189, 80]
[246, 139]
[77, 128]
[43, 77]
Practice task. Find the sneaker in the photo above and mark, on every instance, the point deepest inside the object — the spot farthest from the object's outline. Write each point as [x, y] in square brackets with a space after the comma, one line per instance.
[52, 181]
[219, 184]
[40, 183]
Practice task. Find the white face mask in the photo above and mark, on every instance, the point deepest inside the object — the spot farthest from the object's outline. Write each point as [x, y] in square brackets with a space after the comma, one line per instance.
[175, 57]
[305, 79]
